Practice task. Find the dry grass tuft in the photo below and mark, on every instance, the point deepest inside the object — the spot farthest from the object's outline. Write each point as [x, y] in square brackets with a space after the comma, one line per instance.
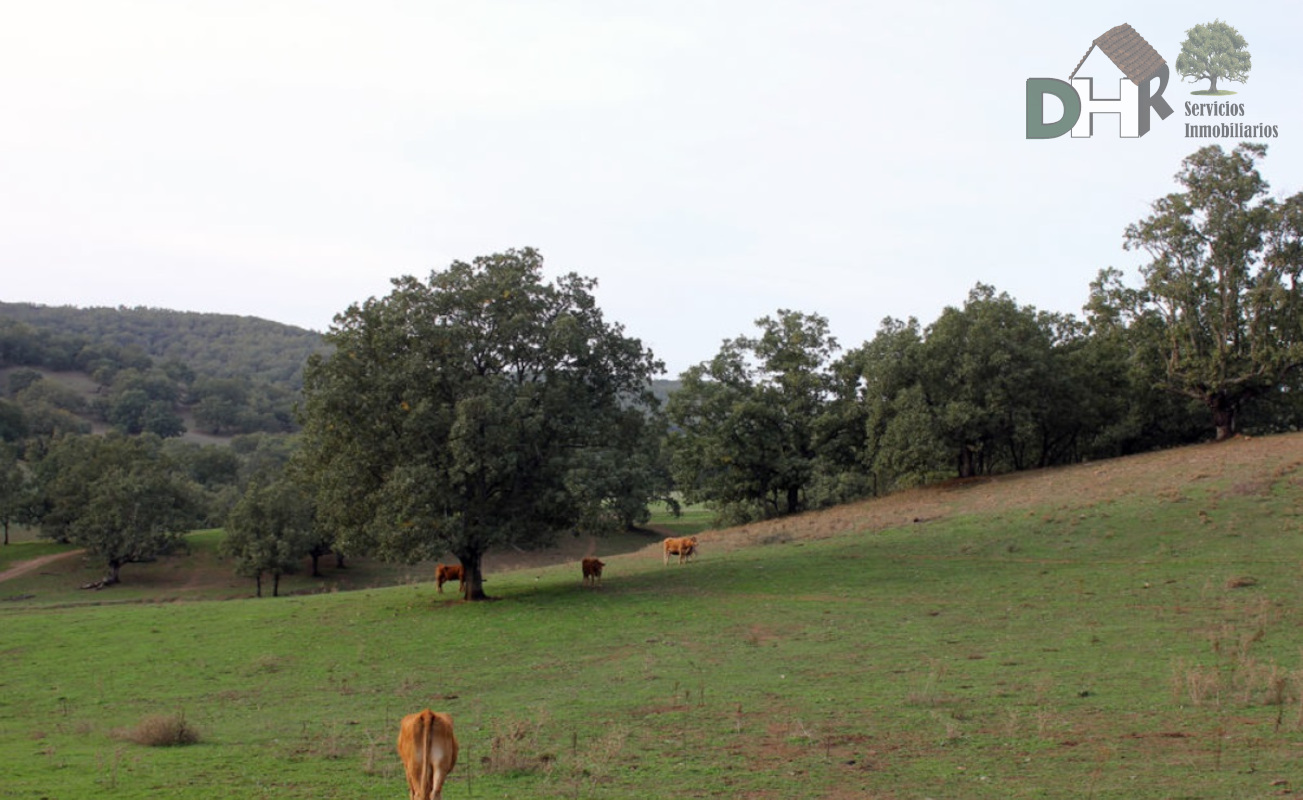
[514, 748]
[377, 757]
[161, 730]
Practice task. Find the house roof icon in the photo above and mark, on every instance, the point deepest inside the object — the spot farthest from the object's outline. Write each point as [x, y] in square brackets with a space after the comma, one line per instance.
[1128, 51]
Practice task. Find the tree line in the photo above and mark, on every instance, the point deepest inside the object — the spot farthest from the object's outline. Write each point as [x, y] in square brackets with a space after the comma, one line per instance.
[1210, 341]
[488, 407]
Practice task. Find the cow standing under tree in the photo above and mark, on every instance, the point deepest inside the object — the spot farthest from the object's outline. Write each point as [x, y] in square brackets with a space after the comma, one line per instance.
[450, 572]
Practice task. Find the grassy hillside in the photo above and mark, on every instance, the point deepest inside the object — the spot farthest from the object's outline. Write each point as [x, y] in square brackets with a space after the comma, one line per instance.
[1120, 629]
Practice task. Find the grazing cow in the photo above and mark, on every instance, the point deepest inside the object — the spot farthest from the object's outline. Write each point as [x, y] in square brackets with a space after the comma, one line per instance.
[429, 752]
[593, 570]
[684, 547]
[450, 572]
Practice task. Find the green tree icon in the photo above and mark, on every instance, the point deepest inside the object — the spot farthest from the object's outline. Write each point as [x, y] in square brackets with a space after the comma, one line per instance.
[1212, 51]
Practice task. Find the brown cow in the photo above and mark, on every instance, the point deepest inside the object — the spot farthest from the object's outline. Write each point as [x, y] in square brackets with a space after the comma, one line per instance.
[593, 570]
[429, 752]
[450, 572]
[684, 547]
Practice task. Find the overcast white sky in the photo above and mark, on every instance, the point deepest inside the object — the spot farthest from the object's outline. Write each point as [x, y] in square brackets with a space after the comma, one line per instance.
[707, 162]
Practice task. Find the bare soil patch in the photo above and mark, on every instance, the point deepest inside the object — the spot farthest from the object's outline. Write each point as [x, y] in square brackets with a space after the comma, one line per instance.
[24, 567]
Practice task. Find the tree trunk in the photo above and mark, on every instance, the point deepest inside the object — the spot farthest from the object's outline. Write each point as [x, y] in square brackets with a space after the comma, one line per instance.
[316, 558]
[1223, 416]
[339, 560]
[275, 584]
[473, 587]
[1224, 421]
[793, 499]
[1213, 78]
[258, 581]
[115, 573]
[966, 466]
[6, 533]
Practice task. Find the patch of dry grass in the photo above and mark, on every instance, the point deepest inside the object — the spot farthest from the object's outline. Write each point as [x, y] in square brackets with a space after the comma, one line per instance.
[161, 730]
[515, 747]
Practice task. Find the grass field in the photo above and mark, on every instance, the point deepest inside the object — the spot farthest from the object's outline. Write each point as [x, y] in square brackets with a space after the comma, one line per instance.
[689, 520]
[1127, 629]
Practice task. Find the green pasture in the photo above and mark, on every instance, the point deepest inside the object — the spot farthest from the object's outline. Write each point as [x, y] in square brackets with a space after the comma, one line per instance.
[690, 519]
[1146, 647]
[197, 571]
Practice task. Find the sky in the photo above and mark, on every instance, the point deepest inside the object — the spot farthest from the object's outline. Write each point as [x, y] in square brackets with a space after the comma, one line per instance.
[708, 163]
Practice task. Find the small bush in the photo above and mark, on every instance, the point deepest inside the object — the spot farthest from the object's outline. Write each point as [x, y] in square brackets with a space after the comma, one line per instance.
[162, 730]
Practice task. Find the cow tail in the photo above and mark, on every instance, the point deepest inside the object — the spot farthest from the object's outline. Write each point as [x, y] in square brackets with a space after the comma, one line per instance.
[427, 768]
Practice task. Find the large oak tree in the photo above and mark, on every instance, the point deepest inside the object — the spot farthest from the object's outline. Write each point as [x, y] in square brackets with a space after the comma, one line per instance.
[479, 409]
[1221, 301]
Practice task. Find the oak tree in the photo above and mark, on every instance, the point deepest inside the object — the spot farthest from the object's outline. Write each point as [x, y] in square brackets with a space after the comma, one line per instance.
[118, 497]
[270, 530]
[1223, 291]
[473, 411]
[747, 422]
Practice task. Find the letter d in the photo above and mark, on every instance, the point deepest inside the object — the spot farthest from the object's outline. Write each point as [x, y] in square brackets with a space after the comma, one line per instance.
[1037, 88]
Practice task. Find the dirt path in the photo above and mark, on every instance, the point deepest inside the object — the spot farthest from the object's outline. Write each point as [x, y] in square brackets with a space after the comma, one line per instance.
[24, 567]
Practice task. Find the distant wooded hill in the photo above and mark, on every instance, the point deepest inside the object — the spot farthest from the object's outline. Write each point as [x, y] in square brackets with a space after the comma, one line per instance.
[153, 370]
[217, 345]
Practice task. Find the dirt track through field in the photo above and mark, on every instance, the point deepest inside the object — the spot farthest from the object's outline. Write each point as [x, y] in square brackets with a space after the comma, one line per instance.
[24, 567]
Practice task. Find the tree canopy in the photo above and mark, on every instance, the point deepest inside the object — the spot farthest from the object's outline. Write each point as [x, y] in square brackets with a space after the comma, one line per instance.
[745, 422]
[1221, 305]
[270, 530]
[475, 410]
[990, 385]
[119, 497]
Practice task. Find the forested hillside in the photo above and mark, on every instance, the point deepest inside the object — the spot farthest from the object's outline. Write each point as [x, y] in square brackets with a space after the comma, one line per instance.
[147, 370]
[214, 345]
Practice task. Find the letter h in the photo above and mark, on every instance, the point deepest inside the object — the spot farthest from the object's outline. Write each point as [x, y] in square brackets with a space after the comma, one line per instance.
[1127, 105]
